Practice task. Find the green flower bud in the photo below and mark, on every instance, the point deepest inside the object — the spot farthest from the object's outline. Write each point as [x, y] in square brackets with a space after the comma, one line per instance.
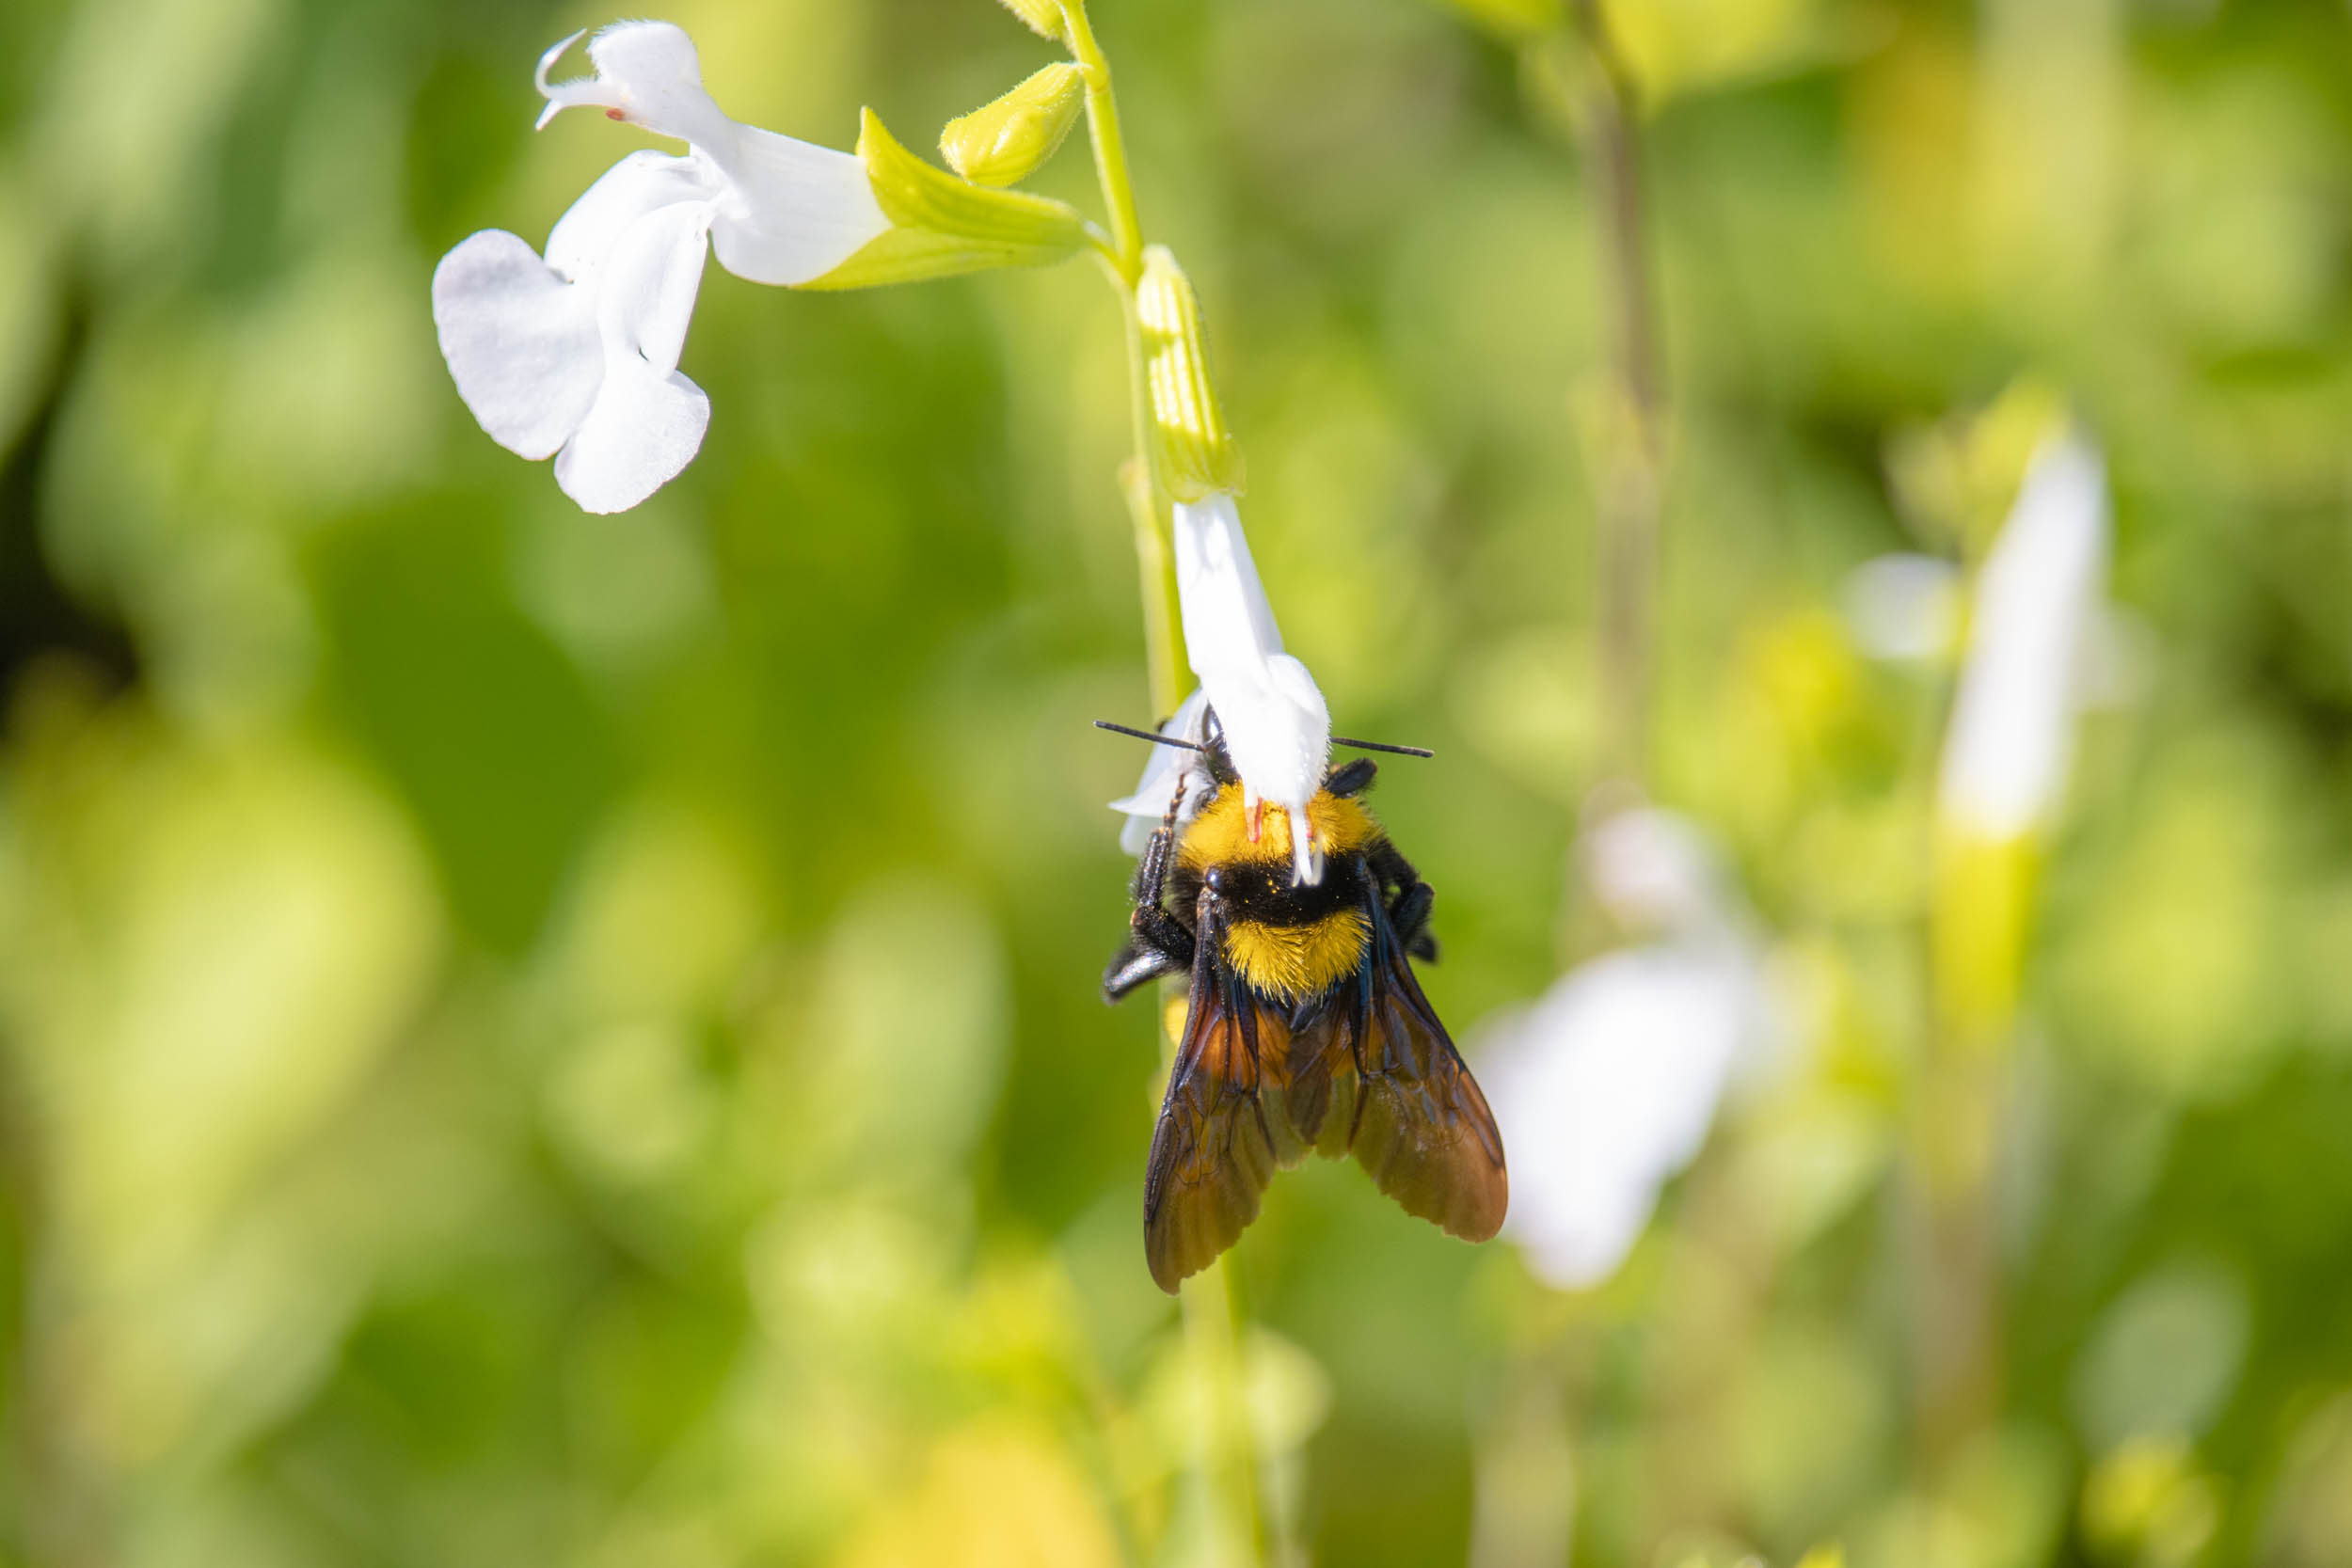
[1042, 17]
[1197, 453]
[941, 226]
[1004, 142]
[1510, 19]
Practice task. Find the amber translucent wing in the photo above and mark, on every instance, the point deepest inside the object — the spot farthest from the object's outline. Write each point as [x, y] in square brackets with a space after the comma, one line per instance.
[1376, 1076]
[1220, 1138]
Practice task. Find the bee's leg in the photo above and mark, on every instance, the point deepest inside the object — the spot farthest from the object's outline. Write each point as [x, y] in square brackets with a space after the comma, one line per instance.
[1157, 944]
[1140, 959]
[1408, 913]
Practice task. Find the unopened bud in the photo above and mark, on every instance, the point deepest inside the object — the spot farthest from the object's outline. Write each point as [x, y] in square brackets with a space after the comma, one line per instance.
[1004, 142]
[1197, 456]
[1042, 17]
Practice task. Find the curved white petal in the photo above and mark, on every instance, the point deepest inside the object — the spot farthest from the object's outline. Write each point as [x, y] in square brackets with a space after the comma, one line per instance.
[1277, 727]
[520, 341]
[1164, 771]
[646, 426]
[2006, 753]
[793, 210]
[647, 73]
[1606, 1086]
[643, 183]
[790, 211]
[645, 290]
[647, 421]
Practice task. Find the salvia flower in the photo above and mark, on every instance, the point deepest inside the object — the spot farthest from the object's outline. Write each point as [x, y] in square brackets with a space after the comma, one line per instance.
[1276, 726]
[2036, 615]
[575, 354]
[1607, 1084]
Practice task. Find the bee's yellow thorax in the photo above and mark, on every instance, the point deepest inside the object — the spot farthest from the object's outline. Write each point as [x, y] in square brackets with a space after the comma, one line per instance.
[1296, 962]
[1220, 834]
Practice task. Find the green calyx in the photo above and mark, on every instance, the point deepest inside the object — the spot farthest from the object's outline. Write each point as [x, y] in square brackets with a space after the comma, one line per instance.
[942, 226]
[1197, 453]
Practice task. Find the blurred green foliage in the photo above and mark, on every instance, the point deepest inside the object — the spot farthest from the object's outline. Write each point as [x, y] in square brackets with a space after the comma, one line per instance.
[537, 1037]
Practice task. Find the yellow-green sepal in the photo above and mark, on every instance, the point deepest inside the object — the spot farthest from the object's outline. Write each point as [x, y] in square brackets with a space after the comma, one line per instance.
[1516, 20]
[940, 225]
[1197, 453]
[1042, 17]
[1004, 142]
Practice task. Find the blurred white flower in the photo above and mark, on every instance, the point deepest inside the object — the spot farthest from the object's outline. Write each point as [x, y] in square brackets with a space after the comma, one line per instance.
[577, 354]
[1904, 607]
[2038, 599]
[1164, 771]
[1276, 726]
[1606, 1085]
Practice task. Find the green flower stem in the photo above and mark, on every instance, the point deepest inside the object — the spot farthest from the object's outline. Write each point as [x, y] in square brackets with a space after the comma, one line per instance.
[1121, 252]
[1226, 1462]
[1632, 482]
[1111, 151]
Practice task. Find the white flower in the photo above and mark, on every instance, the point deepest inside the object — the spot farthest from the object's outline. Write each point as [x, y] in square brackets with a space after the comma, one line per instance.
[1606, 1085]
[577, 354]
[1165, 770]
[2037, 600]
[1276, 726]
[1904, 608]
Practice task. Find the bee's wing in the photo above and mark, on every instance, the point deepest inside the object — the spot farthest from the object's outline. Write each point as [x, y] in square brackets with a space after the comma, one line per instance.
[1218, 1142]
[1375, 1076]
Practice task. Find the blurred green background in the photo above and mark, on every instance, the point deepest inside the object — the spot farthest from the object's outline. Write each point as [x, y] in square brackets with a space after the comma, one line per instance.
[532, 1037]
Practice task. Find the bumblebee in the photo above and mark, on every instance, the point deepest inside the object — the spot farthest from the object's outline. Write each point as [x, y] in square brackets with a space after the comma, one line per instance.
[1304, 1028]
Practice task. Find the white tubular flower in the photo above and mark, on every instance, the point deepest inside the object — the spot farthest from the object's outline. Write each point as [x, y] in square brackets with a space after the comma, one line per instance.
[1165, 770]
[1605, 1088]
[2038, 599]
[1272, 715]
[575, 356]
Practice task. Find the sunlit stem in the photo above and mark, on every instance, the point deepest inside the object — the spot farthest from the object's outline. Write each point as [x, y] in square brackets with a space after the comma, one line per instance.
[1224, 1457]
[1122, 263]
[1154, 560]
[1111, 151]
[1984, 895]
[1632, 460]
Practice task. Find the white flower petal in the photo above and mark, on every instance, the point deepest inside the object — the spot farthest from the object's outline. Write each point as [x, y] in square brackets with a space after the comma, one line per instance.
[648, 74]
[1606, 1086]
[1904, 607]
[644, 427]
[520, 341]
[647, 421]
[2006, 753]
[643, 183]
[1275, 725]
[645, 292]
[1162, 770]
[794, 211]
[1653, 869]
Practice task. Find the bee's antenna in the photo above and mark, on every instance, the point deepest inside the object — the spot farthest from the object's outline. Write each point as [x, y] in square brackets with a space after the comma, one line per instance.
[1380, 746]
[1162, 740]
